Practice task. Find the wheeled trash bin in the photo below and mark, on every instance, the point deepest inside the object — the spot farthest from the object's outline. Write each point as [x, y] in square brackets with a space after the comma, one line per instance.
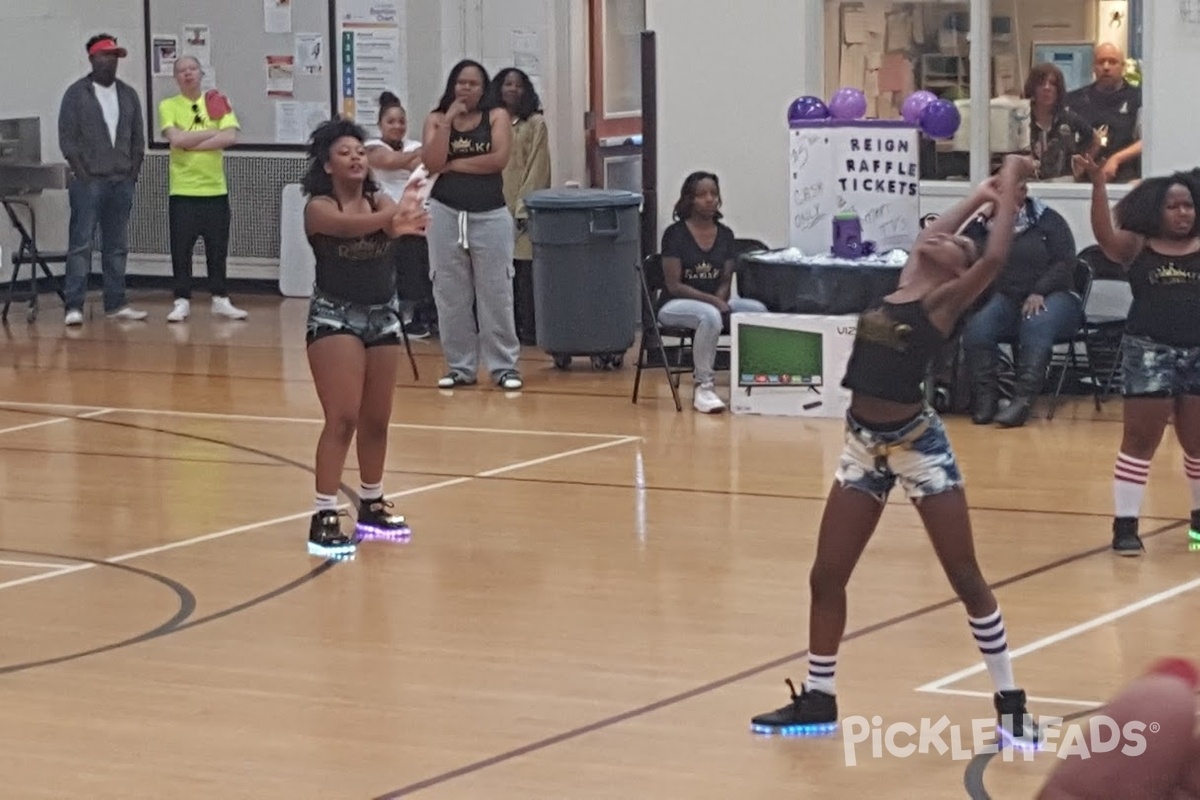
[586, 248]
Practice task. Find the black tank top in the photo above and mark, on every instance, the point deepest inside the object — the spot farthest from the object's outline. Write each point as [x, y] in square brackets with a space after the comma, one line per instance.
[473, 193]
[1166, 298]
[359, 270]
[893, 348]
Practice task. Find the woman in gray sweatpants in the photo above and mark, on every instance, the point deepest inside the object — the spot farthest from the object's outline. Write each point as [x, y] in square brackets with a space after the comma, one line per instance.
[470, 234]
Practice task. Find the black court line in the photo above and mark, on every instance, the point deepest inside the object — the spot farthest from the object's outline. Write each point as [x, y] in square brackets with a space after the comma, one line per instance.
[181, 621]
[973, 777]
[707, 688]
[187, 605]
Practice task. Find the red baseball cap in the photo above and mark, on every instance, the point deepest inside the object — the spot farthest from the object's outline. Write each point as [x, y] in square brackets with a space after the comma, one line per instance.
[105, 46]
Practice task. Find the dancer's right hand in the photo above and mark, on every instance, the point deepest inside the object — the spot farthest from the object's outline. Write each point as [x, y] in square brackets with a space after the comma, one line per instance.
[410, 218]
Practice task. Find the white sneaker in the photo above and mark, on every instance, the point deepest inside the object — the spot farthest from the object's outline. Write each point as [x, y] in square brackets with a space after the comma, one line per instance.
[222, 307]
[73, 317]
[180, 311]
[705, 400]
[128, 313]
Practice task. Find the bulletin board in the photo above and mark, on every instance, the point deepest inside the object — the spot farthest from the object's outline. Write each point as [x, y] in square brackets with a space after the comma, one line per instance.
[272, 58]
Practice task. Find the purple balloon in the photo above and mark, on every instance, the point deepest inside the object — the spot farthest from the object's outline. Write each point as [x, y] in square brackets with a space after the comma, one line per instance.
[807, 108]
[914, 104]
[848, 103]
[940, 119]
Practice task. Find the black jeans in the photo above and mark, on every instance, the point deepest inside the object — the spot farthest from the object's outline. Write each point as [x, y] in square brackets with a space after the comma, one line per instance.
[523, 302]
[190, 219]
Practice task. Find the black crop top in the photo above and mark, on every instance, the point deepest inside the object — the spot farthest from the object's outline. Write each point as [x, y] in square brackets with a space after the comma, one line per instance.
[472, 193]
[893, 347]
[359, 270]
[1166, 298]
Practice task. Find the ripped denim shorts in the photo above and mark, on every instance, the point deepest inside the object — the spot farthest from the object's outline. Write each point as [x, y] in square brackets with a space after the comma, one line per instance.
[375, 324]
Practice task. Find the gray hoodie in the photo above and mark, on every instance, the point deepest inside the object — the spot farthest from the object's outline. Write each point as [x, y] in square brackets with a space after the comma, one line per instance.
[83, 134]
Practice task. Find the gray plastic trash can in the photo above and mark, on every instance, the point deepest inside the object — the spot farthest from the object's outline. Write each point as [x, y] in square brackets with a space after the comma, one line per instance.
[586, 248]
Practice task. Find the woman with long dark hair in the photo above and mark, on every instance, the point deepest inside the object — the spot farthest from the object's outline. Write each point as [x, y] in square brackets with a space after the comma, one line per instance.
[353, 329]
[698, 254]
[1157, 241]
[466, 145]
[893, 436]
[528, 171]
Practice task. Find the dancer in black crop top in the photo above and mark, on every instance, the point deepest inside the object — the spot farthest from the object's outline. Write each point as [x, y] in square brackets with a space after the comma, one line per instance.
[352, 329]
[892, 436]
[1157, 240]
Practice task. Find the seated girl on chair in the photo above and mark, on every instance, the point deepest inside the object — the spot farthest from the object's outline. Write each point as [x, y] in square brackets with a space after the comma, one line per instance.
[698, 253]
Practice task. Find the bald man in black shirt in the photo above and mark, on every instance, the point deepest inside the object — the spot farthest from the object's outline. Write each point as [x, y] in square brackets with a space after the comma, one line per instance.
[1113, 108]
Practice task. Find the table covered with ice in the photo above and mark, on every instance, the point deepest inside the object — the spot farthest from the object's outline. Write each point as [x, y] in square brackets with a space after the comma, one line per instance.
[792, 282]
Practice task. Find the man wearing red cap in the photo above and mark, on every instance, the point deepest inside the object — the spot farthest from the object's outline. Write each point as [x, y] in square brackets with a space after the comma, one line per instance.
[102, 136]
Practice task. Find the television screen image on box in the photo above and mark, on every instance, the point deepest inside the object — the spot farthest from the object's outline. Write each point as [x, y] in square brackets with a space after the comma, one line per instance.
[779, 357]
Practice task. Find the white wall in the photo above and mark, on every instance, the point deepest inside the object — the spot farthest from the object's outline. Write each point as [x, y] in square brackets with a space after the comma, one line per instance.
[1171, 90]
[726, 75]
[52, 33]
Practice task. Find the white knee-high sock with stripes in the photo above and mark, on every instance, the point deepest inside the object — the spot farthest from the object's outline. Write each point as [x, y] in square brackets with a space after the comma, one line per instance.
[992, 641]
[1129, 485]
[1191, 468]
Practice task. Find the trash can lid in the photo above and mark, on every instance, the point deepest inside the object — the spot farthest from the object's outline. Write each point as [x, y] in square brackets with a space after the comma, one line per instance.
[570, 198]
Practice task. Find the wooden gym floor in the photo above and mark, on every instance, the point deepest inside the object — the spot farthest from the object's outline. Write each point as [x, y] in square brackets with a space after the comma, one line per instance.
[597, 597]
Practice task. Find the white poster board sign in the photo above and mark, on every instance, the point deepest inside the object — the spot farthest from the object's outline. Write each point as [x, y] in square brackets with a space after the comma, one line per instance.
[867, 167]
[790, 364]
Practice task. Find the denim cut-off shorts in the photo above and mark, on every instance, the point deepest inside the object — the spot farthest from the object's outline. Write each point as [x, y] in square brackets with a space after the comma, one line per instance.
[1153, 369]
[918, 455]
[374, 325]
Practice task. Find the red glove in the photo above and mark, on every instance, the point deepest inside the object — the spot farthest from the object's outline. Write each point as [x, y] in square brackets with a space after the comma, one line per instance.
[216, 104]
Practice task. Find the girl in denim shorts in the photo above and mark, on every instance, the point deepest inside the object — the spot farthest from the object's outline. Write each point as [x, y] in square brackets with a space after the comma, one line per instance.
[893, 436]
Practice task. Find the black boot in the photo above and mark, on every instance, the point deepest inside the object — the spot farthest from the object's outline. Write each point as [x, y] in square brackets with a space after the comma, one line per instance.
[983, 367]
[1031, 374]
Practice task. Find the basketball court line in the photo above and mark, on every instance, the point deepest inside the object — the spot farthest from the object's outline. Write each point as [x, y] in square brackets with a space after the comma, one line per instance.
[6, 562]
[941, 685]
[97, 410]
[208, 537]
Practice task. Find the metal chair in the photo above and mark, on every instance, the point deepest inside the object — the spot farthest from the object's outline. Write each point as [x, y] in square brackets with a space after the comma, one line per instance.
[28, 253]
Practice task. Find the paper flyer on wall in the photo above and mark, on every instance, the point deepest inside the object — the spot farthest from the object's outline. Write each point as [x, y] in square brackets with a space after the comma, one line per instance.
[296, 120]
[197, 43]
[369, 35]
[310, 53]
[277, 16]
[527, 52]
[164, 50]
[281, 74]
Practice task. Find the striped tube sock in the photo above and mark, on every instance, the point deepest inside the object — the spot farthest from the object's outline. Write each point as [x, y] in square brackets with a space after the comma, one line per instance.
[1129, 485]
[1191, 468]
[820, 673]
[370, 491]
[993, 644]
[326, 502]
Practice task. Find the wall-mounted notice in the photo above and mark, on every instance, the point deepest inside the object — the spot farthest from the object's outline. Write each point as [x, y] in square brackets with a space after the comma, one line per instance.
[370, 33]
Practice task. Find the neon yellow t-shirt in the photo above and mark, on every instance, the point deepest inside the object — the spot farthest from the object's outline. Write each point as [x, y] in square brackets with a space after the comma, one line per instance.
[194, 173]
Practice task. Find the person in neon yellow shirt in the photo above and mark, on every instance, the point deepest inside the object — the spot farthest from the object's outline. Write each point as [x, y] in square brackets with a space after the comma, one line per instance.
[199, 194]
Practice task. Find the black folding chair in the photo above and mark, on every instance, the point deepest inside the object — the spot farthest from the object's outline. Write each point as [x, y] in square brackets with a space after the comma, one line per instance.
[28, 253]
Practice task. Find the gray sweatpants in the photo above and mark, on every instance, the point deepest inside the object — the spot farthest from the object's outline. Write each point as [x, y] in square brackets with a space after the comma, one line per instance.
[471, 267]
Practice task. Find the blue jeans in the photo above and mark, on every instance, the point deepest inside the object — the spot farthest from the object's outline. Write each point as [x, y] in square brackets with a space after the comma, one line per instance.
[98, 201]
[1000, 318]
[917, 455]
[706, 322]
[1153, 369]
